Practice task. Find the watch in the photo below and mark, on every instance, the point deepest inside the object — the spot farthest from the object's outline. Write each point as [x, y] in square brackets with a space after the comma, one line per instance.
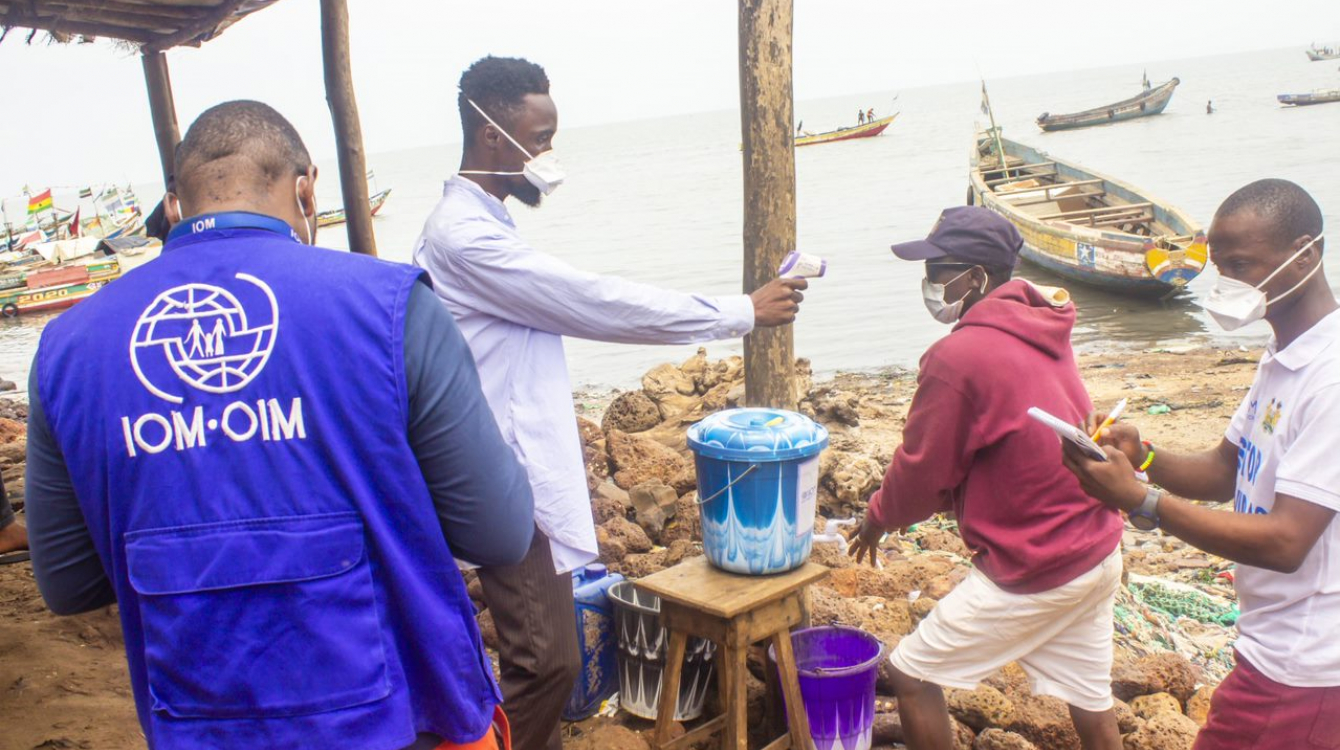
[1146, 517]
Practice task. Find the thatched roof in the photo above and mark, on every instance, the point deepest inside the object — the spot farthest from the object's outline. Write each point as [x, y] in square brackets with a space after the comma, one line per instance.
[153, 24]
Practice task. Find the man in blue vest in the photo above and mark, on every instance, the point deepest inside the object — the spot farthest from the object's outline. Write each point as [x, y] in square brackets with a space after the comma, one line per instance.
[272, 457]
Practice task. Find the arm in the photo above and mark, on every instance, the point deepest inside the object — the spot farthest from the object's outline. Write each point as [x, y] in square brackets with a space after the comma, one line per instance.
[505, 278]
[1279, 540]
[66, 565]
[480, 491]
[1210, 475]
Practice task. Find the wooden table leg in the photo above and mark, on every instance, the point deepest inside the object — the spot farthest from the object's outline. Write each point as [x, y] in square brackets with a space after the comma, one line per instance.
[669, 700]
[737, 710]
[795, 705]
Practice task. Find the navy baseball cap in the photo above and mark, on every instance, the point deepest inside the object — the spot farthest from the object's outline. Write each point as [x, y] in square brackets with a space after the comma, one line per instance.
[967, 234]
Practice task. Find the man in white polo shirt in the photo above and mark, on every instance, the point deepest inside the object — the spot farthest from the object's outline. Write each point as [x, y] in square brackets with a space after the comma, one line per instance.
[1279, 467]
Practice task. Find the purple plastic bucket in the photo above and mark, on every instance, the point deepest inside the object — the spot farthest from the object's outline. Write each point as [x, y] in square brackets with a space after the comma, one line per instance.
[837, 666]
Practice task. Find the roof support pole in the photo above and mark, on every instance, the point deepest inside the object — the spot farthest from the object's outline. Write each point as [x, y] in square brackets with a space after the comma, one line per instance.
[348, 131]
[163, 111]
[766, 125]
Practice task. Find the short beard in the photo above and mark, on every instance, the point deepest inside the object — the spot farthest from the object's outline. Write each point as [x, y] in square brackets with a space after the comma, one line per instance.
[527, 193]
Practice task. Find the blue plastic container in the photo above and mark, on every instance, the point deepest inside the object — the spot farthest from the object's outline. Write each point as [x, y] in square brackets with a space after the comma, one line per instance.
[596, 638]
[758, 481]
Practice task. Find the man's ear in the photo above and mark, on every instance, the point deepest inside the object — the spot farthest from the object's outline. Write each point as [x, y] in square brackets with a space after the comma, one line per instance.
[307, 193]
[171, 205]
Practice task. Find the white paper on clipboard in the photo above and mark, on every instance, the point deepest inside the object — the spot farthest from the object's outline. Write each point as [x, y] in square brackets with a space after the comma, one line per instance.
[1067, 431]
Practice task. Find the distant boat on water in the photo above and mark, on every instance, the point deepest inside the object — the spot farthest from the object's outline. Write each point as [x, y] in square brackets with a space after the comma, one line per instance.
[1151, 101]
[337, 215]
[1317, 54]
[1320, 96]
[1085, 226]
[865, 130]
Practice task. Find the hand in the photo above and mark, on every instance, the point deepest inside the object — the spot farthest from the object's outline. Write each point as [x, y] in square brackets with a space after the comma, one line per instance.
[1123, 436]
[1111, 482]
[866, 542]
[777, 302]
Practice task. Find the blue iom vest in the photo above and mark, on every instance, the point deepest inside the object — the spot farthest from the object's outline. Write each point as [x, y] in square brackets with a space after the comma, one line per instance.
[234, 418]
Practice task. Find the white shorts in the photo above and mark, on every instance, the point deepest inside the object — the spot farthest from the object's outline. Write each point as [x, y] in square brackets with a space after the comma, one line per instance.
[1062, 638]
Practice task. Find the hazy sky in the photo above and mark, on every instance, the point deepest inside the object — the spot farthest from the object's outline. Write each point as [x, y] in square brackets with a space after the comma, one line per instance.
[78, 114]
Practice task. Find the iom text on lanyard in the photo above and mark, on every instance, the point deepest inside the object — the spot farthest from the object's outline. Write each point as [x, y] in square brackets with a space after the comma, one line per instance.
[231, 220]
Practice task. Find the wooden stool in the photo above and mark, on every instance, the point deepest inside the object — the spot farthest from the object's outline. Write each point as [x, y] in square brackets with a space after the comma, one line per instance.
[698, 600]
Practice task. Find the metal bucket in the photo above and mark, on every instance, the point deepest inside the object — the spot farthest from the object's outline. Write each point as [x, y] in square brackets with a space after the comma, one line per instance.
[642, 647]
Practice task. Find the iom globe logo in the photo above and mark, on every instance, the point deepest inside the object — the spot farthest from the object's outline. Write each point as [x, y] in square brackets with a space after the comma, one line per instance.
[205, 337]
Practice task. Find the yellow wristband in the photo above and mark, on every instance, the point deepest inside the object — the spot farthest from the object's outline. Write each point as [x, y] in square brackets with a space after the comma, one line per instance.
[1148, 459]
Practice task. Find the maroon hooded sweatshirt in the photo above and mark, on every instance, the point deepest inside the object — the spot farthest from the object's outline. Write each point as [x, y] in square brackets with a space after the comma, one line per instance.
[969, 446]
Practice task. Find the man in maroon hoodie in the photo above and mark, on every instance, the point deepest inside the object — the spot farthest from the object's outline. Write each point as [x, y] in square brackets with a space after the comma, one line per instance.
[1046, 557]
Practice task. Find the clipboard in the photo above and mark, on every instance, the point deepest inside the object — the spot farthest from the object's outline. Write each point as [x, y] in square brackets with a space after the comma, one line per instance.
[1067, 431]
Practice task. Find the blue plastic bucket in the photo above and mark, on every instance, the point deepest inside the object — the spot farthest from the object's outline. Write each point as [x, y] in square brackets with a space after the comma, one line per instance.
[599, 678]
[837, 667]
[758, 482]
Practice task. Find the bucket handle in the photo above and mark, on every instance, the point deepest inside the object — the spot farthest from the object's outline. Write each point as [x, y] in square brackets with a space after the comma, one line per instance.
[715, 495]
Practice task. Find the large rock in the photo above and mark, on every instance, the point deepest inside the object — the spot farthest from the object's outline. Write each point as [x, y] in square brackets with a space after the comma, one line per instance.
[686, 525]
[637, 460]
[653, 505]
[589, 431]
[999, 739]
[1164, 672]
[980, 708]
[851, 477]
[1198, 707]
[943, 585]
[896, 580]
[488, 632]
[1011, 680]
[1146, 706]
[1163, 731]
[12, 430]
[1127, 721]
[631, 411]
[673, 392]
[1044, 721]
[887, 620]
[609, 501]
[625, 532]
[607, 736]
[943, 540]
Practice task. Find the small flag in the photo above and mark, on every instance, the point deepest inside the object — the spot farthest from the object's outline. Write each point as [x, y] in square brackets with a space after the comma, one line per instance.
[40, 202]
[986, 102]
[74, 223]
[86, 193]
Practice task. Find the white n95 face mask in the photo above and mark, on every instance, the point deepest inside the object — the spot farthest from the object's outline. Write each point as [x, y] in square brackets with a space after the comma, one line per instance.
[934, 296]
[1233, 304]
[541, 170]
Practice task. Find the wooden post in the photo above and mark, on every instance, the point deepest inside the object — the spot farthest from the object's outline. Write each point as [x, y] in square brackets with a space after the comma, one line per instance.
[766, 121]
[162, 109]
[348, 132]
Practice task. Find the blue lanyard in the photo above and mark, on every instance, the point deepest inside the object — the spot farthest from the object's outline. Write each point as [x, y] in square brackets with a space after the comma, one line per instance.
[230, 220]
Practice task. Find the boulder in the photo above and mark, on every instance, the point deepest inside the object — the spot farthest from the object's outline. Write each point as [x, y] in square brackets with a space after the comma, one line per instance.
[627, 533]
[1163, 731]
[851, 477]
[597, 465]
[1011, 680]
[589, 431]
[943, 585]
[673, 392]
[887, 620]
[609, 501]
[488, 632]
[607, 736]
[631, 411]
[1044, 721]
[1164, 672]
[1146, 706]
[922, 607]
[641, 565]
[637, 460]
[8, 385]
[686, 524]
[1198, 707]
[981, 708]
[653, 505]
[963, 735]
[12, 431]
[1127, 721]
[943, 540]
[999, 739]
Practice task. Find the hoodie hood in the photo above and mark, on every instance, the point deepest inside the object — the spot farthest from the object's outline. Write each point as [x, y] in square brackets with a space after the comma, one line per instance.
[1042, 317]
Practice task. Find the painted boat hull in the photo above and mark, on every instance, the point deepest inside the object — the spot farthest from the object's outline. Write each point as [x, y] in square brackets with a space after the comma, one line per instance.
[336, 216]
[868, 130]
[1315, 56]
[1115, 261]
[1304, 100]
[1147, 104]
[46, 299]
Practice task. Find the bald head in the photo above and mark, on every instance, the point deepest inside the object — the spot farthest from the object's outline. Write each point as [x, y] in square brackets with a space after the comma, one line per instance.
[238, 151]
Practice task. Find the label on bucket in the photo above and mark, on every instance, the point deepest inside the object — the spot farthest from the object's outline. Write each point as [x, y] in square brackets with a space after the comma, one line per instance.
[807, 486]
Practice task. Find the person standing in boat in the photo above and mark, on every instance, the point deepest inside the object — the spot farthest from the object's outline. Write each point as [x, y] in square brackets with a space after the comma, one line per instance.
[1046, 558]
[515, 304]
[1276, 464]
[1209, 107]
[860, 117]
[870, 115]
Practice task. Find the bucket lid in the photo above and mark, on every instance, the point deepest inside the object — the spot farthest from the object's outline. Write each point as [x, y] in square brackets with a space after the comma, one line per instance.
[757, 435]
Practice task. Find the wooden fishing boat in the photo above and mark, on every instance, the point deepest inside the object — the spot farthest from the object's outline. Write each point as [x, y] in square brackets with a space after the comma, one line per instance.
[868, 130]
[1318, 54]
[336, 216]
[1085, 226]
[1149, 102]
[1320, 96]
[55, 289]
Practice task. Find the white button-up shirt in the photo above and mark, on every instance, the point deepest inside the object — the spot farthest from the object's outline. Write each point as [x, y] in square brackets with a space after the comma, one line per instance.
[514, 304]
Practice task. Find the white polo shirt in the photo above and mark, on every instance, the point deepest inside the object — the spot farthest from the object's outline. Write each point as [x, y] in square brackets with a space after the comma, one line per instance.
[1288, 435]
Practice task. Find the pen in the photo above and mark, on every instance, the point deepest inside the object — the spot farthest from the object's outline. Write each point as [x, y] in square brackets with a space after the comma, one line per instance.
[1111, 418]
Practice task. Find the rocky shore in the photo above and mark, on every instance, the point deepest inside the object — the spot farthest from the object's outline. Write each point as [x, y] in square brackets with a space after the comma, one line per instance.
[66, 677]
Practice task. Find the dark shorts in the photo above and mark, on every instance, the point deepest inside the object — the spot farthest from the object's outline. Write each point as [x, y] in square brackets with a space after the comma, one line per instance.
[1250, 711]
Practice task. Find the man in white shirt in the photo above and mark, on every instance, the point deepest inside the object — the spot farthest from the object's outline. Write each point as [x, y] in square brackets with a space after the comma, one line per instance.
[1278, 466]
[515, 304]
